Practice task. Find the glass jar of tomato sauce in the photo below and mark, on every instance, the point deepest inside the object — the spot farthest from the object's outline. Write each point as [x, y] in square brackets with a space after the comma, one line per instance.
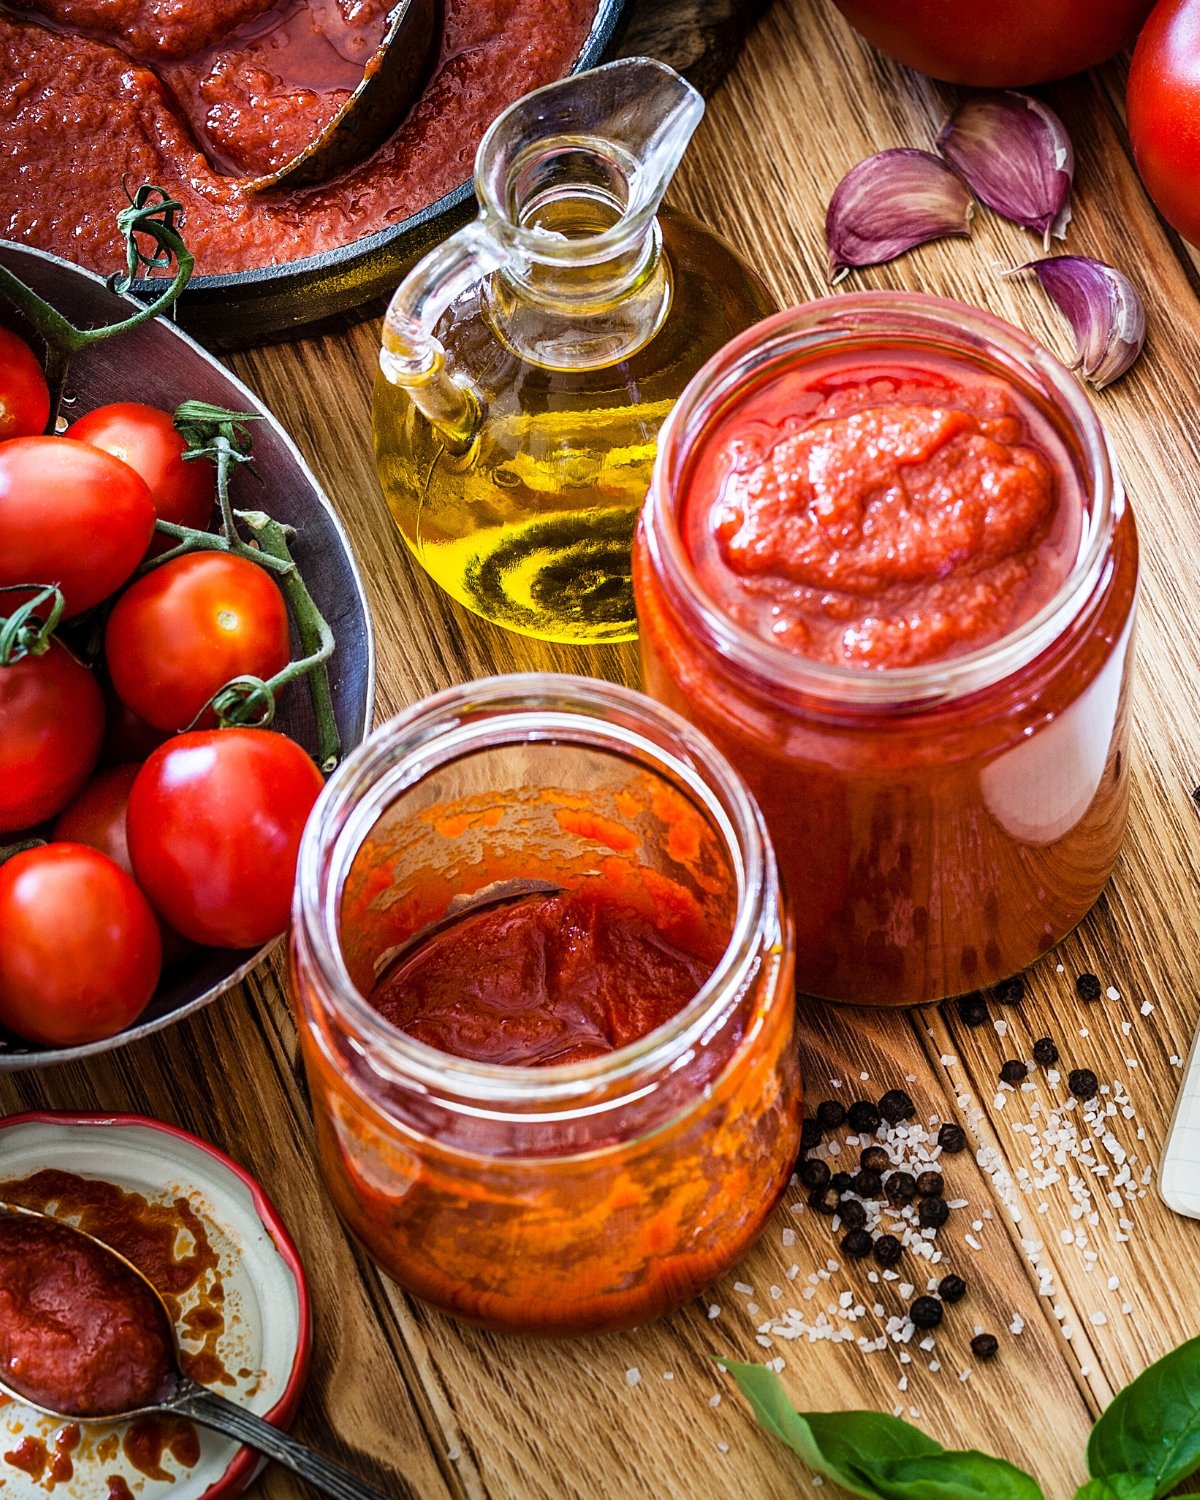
[581, 1196]
[938, 823]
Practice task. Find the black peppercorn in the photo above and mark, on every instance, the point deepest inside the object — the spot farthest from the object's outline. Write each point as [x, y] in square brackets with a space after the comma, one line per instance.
[852, 1214]
[863, 1117]
[841, 1182]
[1088, 987]
[888, 1249]
[896, 1106]
[875, 1159]
[900, 1187]
[1014, 1071]
[830, 1114]
[810, 1134]
[952, 1289]
[931, 1185]
[868, 1184]
[1045, 1053]
[857, 1244]
[814, 1173]
[926, 1312]
[823, 1200]
[933, 1213]
[1010, 991]
[952, 1138]
[984, 1345]
[972, 1009]
[1083, 1083]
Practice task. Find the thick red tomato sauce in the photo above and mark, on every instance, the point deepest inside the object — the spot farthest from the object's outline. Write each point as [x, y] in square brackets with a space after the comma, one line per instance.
[872, 515]
[197, 95]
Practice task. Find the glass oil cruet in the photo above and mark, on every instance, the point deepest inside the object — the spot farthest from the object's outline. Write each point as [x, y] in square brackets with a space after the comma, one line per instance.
[529, 361]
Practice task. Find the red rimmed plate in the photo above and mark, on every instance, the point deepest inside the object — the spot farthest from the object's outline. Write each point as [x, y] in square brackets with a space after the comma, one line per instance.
[266, 1343]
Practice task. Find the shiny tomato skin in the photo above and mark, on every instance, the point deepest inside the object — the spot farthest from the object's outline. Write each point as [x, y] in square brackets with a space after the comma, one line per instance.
[1162, 106]
[186, 628]
[997, 43]
[70, 515]
[214, 826]
[97, 818]
[144, 437]
[51, 725]
[81, 952]
[24, 394]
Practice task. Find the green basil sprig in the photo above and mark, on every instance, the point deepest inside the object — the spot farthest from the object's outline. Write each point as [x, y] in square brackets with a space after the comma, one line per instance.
[1142, 1446]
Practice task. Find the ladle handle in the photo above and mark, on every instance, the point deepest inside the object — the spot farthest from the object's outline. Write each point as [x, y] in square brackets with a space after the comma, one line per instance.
[210, 1410]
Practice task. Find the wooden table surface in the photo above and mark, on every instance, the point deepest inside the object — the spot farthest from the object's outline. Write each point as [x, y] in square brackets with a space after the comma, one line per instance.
[432, 1409]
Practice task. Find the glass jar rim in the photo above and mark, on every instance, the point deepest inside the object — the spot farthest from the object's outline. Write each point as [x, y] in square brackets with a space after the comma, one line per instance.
[514, 709]
[812, 327]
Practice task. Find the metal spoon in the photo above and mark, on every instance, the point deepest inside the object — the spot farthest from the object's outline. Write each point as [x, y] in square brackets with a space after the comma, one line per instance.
[184, 1398]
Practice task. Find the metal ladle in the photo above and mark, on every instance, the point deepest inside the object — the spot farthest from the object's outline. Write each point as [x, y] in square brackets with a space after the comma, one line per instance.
[184, 1398]
[391, 81]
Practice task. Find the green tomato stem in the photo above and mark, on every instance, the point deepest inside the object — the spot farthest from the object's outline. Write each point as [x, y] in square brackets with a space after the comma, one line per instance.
[26, 632]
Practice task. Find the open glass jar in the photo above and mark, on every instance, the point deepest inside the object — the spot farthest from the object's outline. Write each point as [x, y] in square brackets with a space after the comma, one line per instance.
[938, 826]
[575, 1197]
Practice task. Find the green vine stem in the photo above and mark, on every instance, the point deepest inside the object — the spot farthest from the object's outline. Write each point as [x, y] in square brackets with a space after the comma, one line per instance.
[27, 632]
[150, 212]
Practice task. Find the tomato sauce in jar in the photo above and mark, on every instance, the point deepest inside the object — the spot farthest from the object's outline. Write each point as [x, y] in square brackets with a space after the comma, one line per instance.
[887, 566]
[570, 1104]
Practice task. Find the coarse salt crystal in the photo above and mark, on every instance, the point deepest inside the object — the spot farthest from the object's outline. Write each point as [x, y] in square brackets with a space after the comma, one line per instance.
[788, 1238]
[1098, 1320]
[722, 1447]
[1146, 1007]
[715, 1400]
[713, 1311]
[633, 1375]
[1113, 992]
[741, 1286]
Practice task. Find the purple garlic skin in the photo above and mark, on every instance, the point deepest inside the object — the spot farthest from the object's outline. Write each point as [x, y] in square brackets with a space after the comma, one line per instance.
[1103, 307]
[890, 203]
[1015, 155]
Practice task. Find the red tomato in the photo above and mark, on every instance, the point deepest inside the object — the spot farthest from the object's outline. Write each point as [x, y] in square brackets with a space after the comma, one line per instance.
[214, 827]
[144, 437]
[126, 737]
[51, 723]
[1162, 107]
[181, 632]
[998, 43]
[24, 394]
[81, 952]
[97, 818]
[70, 515]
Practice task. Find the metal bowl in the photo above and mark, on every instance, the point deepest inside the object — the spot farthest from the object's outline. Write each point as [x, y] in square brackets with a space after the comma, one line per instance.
[284, 301]
[159, 364]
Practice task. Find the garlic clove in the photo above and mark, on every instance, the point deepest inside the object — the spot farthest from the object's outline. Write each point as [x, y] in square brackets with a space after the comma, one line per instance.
[1015, 155]
[1103, 307]
[890, 203]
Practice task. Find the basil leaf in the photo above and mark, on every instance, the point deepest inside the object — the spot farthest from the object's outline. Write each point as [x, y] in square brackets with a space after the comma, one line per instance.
[832, 1443]
[1151, 1429]
[964, 1475]
[1117, 1487]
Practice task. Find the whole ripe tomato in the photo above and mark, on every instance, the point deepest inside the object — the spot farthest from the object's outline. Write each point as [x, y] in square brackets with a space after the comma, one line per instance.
[183, 630]
[1162, 107]
[51, 724]
[24, 394]
[97, 818]
[81, 952]
[214, 827]
[998, 43]
[70, 515]
[144, 437]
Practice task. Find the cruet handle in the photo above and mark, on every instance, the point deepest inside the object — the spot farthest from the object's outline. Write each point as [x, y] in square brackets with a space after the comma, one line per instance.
[412, 357]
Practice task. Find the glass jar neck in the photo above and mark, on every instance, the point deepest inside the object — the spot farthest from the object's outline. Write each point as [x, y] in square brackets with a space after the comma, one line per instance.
[898, 322]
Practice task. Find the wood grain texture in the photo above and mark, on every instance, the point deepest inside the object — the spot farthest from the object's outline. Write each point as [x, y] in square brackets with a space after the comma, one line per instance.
[459, 1412]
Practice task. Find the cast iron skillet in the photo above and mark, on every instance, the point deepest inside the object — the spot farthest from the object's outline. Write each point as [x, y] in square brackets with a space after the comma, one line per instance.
[278, 302]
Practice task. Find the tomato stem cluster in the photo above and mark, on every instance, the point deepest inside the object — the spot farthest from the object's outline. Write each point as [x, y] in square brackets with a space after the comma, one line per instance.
[27, 632]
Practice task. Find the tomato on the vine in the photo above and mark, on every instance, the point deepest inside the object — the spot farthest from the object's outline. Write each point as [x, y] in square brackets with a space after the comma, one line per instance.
[214, 825]
[51, 724]
[186, 628]
[1162, 108]
[998, 43]
[81, 951]
[145, 437]
[24, 394]
[70, 515]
